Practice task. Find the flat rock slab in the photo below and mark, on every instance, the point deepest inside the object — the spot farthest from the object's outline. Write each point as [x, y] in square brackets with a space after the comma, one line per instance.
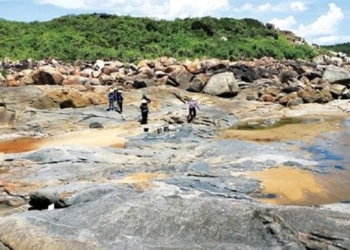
[120, 220]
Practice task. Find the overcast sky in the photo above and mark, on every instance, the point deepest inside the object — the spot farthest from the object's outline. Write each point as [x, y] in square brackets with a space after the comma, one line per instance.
[318, 21]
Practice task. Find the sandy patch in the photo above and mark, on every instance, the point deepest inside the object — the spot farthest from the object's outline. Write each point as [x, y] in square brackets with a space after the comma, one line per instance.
[299, 131]
[141, 181]
[291, 185]
[115, 136]
[19, 145]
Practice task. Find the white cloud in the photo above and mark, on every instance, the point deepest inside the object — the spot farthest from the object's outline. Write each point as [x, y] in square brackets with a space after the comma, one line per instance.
[322, 31]
[154, 8]
[284, 24]
[324, 40]
[281, 7]
[183, 8]
[250, 8]
[264, 7]
[67, 4]
[245, 7]
[326, 24]
[297, 6]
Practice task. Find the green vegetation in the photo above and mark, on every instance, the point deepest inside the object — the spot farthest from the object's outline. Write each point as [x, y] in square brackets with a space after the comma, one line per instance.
[3, 72]
[125, 38]
[342, 47]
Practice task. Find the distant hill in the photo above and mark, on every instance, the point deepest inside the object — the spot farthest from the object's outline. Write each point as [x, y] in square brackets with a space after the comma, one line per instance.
[104, 36]
[341, 47]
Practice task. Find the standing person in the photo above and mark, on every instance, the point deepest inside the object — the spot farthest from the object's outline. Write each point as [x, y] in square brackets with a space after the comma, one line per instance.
[111, 100]
[144, 97]
[119, 98]
[144, 111]
[192, 105]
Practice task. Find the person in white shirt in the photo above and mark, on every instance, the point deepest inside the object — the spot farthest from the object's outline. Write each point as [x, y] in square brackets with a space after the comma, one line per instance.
[192, 105]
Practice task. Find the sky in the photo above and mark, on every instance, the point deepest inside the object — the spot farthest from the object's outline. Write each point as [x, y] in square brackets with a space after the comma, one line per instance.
[318, 21]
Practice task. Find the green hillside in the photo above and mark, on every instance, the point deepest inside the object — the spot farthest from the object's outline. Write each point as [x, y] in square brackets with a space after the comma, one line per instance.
[342, 47]
[102, 36]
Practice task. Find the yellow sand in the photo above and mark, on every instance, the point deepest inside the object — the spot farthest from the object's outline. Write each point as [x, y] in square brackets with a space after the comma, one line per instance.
[291, 185]
[286, 132]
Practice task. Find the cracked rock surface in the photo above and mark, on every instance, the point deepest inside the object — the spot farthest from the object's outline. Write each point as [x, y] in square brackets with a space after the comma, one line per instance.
[115, 187]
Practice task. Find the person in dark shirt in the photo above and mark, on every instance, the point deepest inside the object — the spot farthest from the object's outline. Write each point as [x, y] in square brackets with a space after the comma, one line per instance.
[111, 100]
[144, 111]
[119, 99]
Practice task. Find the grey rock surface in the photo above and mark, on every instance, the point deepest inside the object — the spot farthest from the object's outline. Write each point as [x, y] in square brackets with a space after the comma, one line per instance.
[129, 220]
[183, 188]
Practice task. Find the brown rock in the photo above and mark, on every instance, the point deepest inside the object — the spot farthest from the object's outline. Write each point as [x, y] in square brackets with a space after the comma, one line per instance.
[47, 76]
[147, 71]
[181, 77]
[6, 116]
[106, 79]
[143, 63]
[26, 80]
[78, 96]
[267, 98]
[12, 80]
[249, 94]
[305, 80]
[173, 68]
[271, 90]
[162, 81]
[194, 67]
[310, 95]
[71, 80]
[108, 70]
[167, 61]
[284, 100]
[198, 83]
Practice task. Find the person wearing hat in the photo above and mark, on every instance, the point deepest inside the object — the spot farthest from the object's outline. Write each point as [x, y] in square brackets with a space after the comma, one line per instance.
[192, 105]
[144, 97]
[119, 98]
[144, 111]
[111, 100]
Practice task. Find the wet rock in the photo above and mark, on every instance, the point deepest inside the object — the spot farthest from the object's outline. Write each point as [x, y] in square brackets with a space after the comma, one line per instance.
[96, 125]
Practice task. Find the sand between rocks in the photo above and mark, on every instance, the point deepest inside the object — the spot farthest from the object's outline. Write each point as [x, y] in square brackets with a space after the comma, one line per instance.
[287, 132]
[291, 185]
[94, 137]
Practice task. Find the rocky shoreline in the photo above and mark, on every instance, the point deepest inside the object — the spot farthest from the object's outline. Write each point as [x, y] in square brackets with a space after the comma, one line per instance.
[116, 187]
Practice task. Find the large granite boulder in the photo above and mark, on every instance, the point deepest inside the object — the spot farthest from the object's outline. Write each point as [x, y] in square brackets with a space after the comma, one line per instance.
[223, 84]
[47, 75]
[334, 74]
